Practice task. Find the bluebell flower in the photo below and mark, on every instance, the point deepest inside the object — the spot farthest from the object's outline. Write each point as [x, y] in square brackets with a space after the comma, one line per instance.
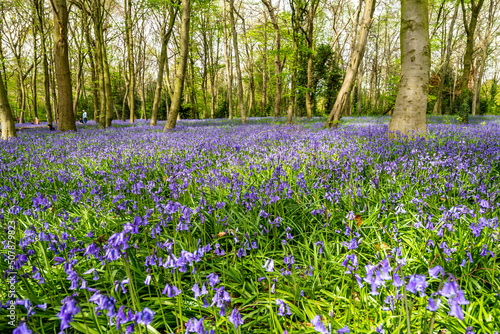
[145, 317]
[455, 309]
[433, 305]
[269, 265]
[195, 326]
[171, 291]
[22, 328]
[213, 279]
[319, 326]
[435, 271]
[68, 310]
[343, 330]
[235, 318]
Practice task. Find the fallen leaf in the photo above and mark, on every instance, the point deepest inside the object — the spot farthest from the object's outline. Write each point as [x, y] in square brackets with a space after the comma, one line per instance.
[358, 220]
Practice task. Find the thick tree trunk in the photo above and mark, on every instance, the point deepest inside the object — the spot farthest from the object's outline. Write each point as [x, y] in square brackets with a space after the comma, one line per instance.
[344, 94]
[63, 74]
[409, 116]
[437, 110]
[243, 112]
[181, 70]
[6, 118]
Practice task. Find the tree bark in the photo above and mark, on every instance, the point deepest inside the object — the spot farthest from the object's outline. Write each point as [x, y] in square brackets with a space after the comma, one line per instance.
[310, 44]
[437, 110]
[409, 116]
[277, 61]
[264, 69]
[470, 29]
[484, 55]
[45, 62]
[130, 55]
[229, 71]
[181, 70]
[6, 118]
[243, 112]
[166, 33]
[249, 54]
[357, 55]
[63, 74]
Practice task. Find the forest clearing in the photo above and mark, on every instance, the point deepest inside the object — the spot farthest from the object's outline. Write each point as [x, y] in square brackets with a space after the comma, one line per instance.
[256, 228]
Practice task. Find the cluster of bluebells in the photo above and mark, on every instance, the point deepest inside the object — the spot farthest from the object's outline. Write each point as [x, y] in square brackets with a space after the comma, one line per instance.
[164, 217]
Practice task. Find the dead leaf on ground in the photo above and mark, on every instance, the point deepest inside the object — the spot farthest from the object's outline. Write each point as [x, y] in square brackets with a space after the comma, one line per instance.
[358, 220]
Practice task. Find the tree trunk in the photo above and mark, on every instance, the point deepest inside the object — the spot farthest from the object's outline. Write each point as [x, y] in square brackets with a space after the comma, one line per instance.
[229, 70]
[310, 51]
[181, 70]
[470, 29]
[6, 118]
[130, 53]
[409, 116]
[277, 61]
[249, 54]
[63, 74]
[110, 105]
[437, 110]
[45, 62]
[359, 89]
[35, 72]
[484, 55]
[237, 60]
[166, 33]
[264, 69]
[357, 55]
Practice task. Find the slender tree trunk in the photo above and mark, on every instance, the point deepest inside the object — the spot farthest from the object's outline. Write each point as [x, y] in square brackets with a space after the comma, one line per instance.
[181, 70]
[194, 104]
[55, 111]
[484, 55]
[45, 62]
[310, 51]
[130, 54]
[229, 70]
[359, 88]
[6, 118]
[249, 54]
[357, 55]
[166, 33]
[35, 72]
[409, 116]
[63, 74]
[470, 29]
[110, 105]
[79, 74]
[277, 61]
[437, 110]
[264, 69]
[237, 60]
